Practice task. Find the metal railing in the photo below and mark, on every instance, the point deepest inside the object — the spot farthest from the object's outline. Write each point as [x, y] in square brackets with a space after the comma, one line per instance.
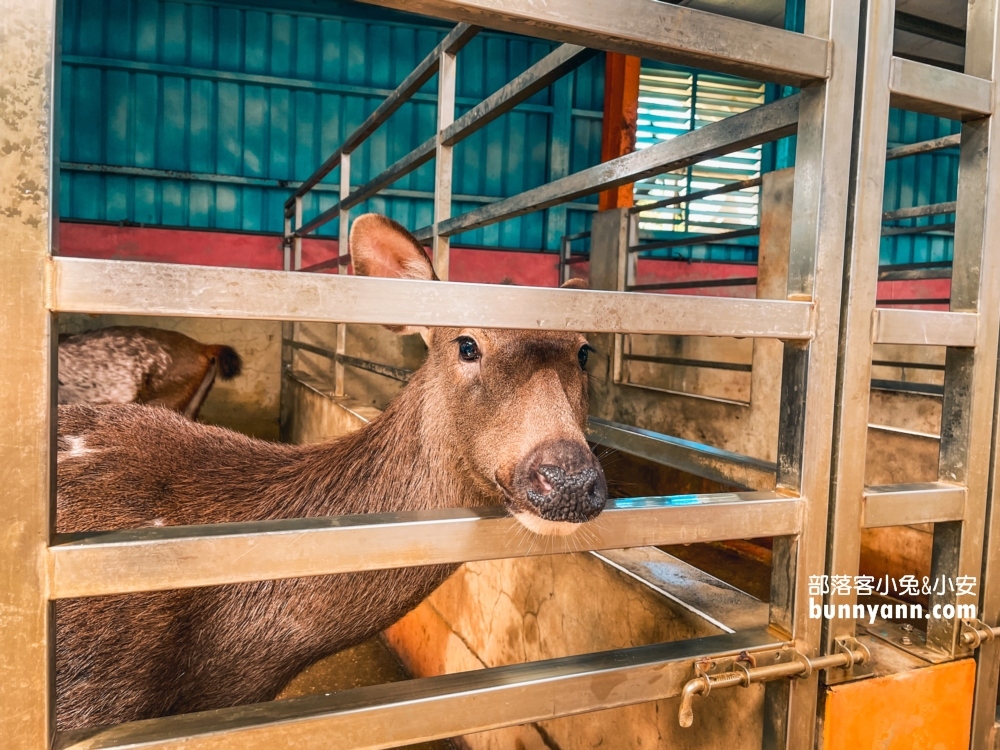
[39, 567]
[956, 504]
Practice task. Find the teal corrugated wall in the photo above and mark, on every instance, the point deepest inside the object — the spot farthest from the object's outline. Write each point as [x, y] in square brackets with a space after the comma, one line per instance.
[196, 114]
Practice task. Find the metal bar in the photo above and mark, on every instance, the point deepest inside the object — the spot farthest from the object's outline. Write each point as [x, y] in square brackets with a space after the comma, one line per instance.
[934, 209]
[443, 165]
[759, 125]
[159, 559]
[917, 272]
[905, 386]
[389, 371]
[936, 91]
[169, 174]
[903, 504]
[700, 239]
[343, 250]
[28, 213]
[925, 327]
[726, 467]
[552, 67]
[926, 229]
[907, 365]
[915, 301]
[120, 287]
[323, 265]
[732, 187]
[808, 380]
[682, 362]
[702, 284]
[925, 27]
[394, 714]
[970, 377]
[924, 147]
[397, 171]
[457, 38]
[660, 31]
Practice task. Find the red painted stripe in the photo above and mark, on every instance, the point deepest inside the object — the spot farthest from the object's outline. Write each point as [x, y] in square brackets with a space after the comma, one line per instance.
[233, 250]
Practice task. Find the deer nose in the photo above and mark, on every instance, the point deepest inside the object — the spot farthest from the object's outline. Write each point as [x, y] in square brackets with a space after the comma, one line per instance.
[563, 481]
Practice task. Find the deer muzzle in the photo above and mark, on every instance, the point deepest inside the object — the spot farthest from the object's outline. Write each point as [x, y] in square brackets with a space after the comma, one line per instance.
[561, 481]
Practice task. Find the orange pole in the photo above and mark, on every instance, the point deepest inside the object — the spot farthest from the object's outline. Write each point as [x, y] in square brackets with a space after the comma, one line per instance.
[621, 112]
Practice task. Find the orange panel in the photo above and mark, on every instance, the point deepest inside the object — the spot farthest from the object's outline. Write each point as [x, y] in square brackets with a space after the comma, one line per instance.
[923, 709]
[621, 114]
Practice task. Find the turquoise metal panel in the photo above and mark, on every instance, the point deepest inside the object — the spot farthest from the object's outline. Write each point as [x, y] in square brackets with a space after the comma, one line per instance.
[198, 114]
[919, 181]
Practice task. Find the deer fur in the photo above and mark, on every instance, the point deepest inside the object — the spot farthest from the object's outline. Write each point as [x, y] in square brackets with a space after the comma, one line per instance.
[503, 429]
[134, 364]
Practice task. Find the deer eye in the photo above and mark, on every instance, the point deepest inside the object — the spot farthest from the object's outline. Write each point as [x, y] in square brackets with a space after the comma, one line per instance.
[582, 355]
[468, 349]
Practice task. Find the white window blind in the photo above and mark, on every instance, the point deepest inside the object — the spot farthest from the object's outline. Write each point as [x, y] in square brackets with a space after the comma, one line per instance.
[673, 102]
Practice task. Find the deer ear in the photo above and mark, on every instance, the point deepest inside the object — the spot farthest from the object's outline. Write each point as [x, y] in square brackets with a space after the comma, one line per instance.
[575, 284]
[381, 247]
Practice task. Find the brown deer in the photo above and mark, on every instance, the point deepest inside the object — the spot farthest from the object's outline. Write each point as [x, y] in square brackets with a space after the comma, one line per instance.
[493, 417]
[133, 364]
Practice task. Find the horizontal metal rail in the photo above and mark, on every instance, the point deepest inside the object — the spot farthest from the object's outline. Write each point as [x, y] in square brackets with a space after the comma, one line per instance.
[925, 327]
[936, 91]
[397, 171]
[540, 75]
[731, 187]
[924, 147]
[658, 31]
[698, 239]
[698, 284]
[158, 559]
[323, 265]
[682, 362]
[127, 288]
[384, 716]
[915, 271]
[925, 27]
[454, 41]
[915, 301]
[726, 467]
[907, 386]
[759, 125]
[388, 371]
[914, 212]
[944, 229]
[908, 365]
[902, 504]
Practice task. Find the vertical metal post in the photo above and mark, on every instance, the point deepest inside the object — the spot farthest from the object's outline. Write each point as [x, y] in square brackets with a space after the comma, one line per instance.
[27, 388]
[559, 152]
[808, 387]
[564, 255]
[976, 229]
[970, 374]
[440, 246]
[344, 252]
[856, 341]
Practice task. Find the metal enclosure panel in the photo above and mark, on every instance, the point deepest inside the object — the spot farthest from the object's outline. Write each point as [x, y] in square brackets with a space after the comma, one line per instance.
[28, 32]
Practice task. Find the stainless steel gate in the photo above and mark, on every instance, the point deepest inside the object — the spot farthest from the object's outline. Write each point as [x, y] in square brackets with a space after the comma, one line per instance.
[37, 568]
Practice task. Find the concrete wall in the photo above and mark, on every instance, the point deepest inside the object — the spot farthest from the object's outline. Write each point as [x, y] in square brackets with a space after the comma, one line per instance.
[249, 402]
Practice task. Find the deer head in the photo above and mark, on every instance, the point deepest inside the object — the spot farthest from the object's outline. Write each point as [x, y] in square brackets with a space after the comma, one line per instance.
[509, 405]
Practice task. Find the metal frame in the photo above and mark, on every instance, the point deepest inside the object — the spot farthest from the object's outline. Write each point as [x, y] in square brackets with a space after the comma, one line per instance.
[807, 319]
[956, 504]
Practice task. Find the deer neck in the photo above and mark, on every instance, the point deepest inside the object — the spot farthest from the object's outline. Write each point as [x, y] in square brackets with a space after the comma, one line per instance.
[399, 461]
